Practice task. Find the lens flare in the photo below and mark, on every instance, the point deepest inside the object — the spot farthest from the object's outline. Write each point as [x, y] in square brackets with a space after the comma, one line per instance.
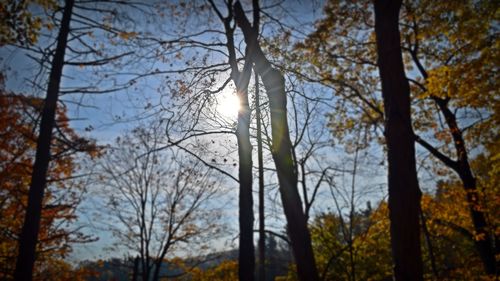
[228, 105]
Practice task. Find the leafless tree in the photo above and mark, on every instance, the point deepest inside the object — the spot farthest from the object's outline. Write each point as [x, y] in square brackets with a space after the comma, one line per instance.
[159, 200]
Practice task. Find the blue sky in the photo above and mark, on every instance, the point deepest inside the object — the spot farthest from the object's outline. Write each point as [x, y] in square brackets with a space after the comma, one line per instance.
[112, 114]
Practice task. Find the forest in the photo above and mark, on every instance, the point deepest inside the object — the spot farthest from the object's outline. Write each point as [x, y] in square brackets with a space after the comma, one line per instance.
[197, 140]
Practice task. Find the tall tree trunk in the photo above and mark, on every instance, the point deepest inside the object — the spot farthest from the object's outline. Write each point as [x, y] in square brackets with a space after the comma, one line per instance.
[274, 84]
[247, 249]
[287, 176]
[404, 193]
[29, 233]
[246, 254]
[262, 234]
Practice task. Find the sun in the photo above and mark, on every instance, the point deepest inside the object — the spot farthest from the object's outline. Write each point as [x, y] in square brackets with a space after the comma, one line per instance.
[228, 104]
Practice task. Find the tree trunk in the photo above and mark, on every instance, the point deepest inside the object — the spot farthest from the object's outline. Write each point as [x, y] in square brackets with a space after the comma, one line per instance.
[282, 152]
[484, 245]
[262, 234]
[157, 265]
[482, 241]
[29, 233]
[287, 176]
[430, 247]
[136, 269]
[404, 193]
[246, 254]
[145, 269]
[246, 219]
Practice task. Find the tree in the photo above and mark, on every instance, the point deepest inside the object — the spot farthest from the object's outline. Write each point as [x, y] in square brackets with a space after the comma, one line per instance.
[28, 238]
[19, 120]
[451, 229]
[17, 24]
[52, 87]
[157, 200]
[260, 161]
[281, 148]
[246, 260]
[369, 248]
[226, 271]
[196, 86]
[449, 65]
[457, 75]
[192, 53]
[448, 224]
[227, 45]
[214, 62]
[404, 192]
[370, 245]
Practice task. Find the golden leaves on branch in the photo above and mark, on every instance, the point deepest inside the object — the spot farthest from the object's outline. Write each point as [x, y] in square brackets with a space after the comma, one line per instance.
[18, 25]
[127, 35]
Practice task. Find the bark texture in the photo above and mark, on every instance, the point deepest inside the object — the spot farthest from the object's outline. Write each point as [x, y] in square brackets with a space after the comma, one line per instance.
[282, 151]
[404, 193]
[31, 226]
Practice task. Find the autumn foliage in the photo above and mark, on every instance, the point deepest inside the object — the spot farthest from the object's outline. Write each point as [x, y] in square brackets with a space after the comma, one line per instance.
[18, 118]
[405, 91]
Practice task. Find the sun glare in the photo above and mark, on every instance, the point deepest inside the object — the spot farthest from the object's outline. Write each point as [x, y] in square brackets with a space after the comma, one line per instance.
[228, 105]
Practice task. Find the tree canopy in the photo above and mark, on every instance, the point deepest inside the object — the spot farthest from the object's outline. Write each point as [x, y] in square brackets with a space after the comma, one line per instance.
[128, 131]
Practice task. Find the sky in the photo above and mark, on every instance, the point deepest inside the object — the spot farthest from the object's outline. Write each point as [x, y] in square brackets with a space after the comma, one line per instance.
[110, 115]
